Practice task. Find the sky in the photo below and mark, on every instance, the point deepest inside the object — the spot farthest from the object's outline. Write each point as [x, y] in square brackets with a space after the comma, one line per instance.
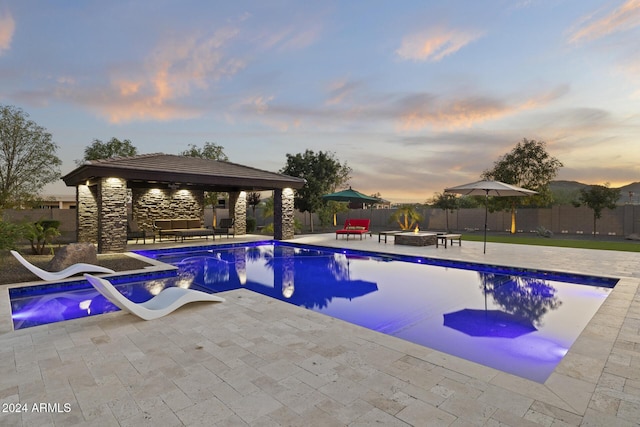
[414, 96]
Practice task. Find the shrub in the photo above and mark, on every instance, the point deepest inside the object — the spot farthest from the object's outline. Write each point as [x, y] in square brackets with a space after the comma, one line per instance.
[297, 227]
[543, 232]
[41, 233]
[251, 225]
[10, 233]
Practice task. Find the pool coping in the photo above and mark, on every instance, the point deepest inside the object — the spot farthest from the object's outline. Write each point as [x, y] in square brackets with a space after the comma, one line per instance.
[578, 387]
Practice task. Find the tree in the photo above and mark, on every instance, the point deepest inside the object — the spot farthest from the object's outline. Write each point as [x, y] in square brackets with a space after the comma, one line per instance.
[323, 173]
[253, 200]
[528, 166]
[211, 151]
[327, 213]
[447, 202]
[269, 208]
[10, 234]
[108, 150]
[406, 216]
[598, 197]
[28, 158]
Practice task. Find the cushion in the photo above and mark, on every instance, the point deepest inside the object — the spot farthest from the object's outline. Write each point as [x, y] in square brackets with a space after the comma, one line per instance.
[163, 224]
[178, 224]
[194, 223]
[225, 223]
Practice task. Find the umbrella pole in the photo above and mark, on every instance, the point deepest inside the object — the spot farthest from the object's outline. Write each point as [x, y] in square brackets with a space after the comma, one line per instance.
[486, 207]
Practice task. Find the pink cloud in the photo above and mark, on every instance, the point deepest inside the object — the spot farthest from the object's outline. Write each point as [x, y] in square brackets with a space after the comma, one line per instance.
[466, 112]
[7, 28]
[172, 72]
[292, 37]
[433, 45]
[621, 19]
[339, 91]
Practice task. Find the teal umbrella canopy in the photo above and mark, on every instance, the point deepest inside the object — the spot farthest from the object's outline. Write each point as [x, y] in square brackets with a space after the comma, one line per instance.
[351, 196]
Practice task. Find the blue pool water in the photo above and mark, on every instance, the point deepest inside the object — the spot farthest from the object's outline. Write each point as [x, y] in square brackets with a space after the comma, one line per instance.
[521, 322]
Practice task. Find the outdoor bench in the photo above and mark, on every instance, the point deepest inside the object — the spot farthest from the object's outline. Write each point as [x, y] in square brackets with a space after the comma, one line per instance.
[182, 228]
[451, 237]
[387, 233]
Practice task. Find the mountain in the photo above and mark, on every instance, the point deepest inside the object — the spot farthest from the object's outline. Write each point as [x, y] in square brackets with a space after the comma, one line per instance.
[630, 193]
[565, 191]
[566, 186]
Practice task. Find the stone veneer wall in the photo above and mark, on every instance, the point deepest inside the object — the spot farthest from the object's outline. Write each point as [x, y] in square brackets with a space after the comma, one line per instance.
[238, 211]
[112, 215]
[150, 204]
[283, 214]
[87, 214]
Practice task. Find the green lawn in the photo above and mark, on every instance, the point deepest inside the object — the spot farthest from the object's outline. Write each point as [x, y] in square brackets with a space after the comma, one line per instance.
[586, 243]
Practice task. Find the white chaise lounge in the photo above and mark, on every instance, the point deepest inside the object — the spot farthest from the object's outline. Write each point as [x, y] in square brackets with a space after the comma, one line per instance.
[59, 275]
[160, 305]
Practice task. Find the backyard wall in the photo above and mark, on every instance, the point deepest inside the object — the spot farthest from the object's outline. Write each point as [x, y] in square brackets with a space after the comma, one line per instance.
[622, 221]
[67, 218]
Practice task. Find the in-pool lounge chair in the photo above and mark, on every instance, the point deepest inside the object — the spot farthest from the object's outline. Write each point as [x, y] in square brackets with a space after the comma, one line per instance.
[59, 275]
[355, 227]
[165, 302]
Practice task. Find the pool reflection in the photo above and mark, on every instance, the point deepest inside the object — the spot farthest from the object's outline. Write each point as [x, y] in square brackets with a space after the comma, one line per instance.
[523, 297]
[275, 271]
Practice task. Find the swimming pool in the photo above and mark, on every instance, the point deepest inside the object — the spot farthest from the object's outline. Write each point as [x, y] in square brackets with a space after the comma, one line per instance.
[522, 322]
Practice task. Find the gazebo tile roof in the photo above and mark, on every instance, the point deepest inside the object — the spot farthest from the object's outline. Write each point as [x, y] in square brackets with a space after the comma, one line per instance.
[160, 167]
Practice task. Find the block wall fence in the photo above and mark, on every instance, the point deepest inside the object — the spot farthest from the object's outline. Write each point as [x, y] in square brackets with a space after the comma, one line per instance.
[622, 221]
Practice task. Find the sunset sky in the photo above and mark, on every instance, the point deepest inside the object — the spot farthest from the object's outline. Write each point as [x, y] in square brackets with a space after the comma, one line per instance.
[414, 96]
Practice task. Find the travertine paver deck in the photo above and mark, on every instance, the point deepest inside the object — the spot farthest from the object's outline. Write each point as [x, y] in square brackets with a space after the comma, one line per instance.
[256, 361]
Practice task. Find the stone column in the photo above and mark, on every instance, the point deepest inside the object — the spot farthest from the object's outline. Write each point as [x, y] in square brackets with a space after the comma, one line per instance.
[238, 211]
[283, 214]
[87, 214]
[112, 215]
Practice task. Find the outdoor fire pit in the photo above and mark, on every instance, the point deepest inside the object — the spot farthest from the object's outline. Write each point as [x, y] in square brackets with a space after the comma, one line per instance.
[416, 239]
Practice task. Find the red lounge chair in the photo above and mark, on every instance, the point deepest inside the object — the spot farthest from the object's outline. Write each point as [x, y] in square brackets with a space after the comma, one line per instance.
[354, 226]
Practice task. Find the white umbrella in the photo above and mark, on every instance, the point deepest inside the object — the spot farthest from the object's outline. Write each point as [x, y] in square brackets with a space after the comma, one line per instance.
[486, 189]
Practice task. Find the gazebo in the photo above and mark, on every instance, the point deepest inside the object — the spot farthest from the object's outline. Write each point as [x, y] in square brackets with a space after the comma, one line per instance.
[168, 186]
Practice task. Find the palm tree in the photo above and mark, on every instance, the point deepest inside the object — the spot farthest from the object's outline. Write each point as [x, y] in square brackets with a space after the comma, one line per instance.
[253, 200]
[268, 208]
[406, 216]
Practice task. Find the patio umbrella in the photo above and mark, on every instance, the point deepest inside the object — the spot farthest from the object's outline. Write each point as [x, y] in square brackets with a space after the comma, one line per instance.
[350, 195]
[486, 189]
